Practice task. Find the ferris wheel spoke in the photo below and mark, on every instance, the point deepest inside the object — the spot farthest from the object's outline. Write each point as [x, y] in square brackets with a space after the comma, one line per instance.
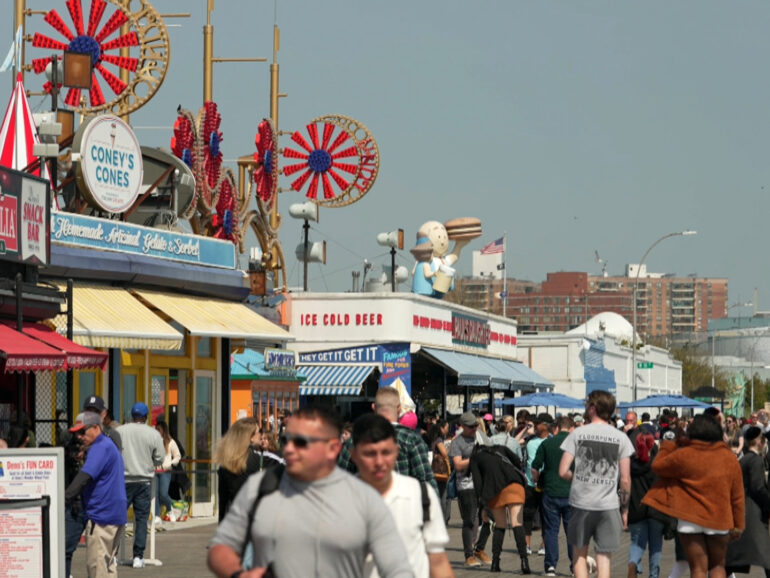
[129, 39]
[341, 183]
[341, 138]
[347, 167]
[115, 83]
[328, 131]
[95, 94]
[76, 13]
[39, 64]
[95, 15]
[53, 18]
[73, 97]
[292, 154]
[43, 41]
[328, 190]
[300, 140]
[344, 153]
[117, 20]
[127, 62]
[312, 130]
[312, 190]
[289, 170]
[300, 182]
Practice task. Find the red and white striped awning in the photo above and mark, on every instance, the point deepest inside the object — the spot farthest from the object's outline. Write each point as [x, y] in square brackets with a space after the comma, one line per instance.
[18, 133]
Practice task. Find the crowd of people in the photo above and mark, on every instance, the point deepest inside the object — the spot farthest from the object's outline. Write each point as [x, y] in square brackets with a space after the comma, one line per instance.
[110, 468]
[373, 498]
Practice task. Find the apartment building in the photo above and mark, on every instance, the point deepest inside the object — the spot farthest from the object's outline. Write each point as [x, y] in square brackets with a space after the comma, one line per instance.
[666, 304]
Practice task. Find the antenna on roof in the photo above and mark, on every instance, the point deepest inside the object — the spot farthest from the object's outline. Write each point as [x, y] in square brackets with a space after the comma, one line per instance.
[602, 261]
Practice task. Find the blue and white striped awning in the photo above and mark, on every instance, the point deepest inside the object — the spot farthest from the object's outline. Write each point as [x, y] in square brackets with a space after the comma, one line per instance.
[333, 379]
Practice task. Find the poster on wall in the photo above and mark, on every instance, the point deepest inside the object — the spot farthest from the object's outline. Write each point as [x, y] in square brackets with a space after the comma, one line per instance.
[32, 512]
[396, 364]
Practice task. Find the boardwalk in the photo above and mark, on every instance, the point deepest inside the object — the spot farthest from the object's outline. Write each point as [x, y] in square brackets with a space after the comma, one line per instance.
[182, 549]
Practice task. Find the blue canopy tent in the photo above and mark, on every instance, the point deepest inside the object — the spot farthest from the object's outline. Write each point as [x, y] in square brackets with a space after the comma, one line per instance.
[662, 400]
[546, 399]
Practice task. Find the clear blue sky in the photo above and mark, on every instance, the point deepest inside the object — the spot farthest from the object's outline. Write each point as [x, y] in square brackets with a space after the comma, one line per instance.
[573, 126]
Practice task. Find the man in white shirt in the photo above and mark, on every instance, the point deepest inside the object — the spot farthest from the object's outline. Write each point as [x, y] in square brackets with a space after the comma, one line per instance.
[421, 526]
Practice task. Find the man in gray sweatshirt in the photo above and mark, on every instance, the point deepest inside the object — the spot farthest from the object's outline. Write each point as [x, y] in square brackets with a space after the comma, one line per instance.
[142, 453]
[320, 521]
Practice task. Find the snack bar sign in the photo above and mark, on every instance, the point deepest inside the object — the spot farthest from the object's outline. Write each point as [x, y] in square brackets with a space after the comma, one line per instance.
[24, 218]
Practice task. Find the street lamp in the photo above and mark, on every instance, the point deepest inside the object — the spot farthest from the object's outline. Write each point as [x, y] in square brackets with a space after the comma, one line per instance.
[636, 289]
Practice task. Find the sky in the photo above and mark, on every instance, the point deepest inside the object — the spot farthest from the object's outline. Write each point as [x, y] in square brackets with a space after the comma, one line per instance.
[572, 127]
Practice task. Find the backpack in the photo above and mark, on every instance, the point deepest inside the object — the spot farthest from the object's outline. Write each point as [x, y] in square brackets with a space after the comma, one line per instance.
[272, 479]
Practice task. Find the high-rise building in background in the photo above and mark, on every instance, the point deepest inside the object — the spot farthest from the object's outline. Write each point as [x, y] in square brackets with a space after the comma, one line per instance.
[667, 305]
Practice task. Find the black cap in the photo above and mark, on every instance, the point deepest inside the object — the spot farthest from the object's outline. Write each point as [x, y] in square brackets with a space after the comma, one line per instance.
[95, 402]
[752, 433]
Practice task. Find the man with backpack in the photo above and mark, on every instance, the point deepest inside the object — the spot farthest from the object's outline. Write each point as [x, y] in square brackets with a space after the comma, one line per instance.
[311, 518]
[415, 506]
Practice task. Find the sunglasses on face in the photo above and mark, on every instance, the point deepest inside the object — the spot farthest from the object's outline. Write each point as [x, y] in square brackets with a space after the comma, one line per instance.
[300, 441]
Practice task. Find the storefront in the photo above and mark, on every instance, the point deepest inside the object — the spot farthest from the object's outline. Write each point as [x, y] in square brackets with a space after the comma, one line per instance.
[349, 344]
[168, 309]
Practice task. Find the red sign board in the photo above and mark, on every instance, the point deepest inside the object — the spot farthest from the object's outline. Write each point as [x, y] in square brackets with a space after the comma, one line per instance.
[25, 218]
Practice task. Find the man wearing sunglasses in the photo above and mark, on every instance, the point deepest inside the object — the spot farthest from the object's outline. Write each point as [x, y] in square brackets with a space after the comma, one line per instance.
[102, 486]
[321, 521]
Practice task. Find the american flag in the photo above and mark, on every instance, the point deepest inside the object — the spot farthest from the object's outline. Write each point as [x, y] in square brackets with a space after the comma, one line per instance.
[493, 247]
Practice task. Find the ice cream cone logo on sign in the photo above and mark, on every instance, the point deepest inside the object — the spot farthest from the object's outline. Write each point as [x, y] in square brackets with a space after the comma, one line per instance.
[433, 274]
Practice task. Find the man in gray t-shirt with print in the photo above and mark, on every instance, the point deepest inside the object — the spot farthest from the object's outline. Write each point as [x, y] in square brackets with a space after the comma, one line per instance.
[602, 458]
[460, 453]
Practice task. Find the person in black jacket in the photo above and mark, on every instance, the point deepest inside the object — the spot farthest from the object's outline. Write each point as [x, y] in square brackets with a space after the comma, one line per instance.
[499, 484]
[753, 547]
[239, 455]
[645, 529]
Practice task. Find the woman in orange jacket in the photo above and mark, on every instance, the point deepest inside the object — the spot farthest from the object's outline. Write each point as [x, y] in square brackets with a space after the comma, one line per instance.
[700, 483]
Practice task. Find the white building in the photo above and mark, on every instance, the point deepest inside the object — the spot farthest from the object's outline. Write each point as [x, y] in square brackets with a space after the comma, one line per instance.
[487, 266]
[598, 355]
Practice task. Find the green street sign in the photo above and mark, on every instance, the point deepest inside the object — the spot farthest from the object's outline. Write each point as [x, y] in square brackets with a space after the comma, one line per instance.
[644, 365]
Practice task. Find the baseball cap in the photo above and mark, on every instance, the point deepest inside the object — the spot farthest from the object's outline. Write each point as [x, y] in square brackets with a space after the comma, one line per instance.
[488, 417]
[140, 409]
[468, 418]
[579, 419]
[86, 419]
[95, 402]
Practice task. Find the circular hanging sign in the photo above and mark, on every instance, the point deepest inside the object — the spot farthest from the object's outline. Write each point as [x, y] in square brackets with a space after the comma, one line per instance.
[110, 170]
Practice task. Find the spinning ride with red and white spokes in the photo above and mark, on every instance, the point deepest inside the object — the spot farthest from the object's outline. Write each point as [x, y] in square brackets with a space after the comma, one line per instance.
[338, 168]
[147, 41]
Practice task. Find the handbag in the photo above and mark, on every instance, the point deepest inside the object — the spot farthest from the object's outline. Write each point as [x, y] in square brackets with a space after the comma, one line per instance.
[440, 467]
[451, 487]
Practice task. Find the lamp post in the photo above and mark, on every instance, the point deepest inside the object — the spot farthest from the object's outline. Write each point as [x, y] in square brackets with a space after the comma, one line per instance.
[636, 290]
[307, 211]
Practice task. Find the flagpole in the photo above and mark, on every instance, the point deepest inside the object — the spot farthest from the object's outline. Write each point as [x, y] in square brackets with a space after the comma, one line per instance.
[505, 277]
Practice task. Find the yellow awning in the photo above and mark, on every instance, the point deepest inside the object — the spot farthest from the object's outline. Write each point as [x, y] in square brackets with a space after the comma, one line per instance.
[105, 316]
[208, 317]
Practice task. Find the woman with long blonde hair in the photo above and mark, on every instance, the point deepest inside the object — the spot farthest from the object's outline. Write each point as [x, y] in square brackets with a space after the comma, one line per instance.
[237, 460]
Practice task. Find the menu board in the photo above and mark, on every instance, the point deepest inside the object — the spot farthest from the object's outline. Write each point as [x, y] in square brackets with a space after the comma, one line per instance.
[32, 513]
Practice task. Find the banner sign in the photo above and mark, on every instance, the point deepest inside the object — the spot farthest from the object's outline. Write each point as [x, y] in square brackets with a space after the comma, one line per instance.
[24, 218]
[281, 362]
[396, 364]
[95, 233]
[394, 360]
